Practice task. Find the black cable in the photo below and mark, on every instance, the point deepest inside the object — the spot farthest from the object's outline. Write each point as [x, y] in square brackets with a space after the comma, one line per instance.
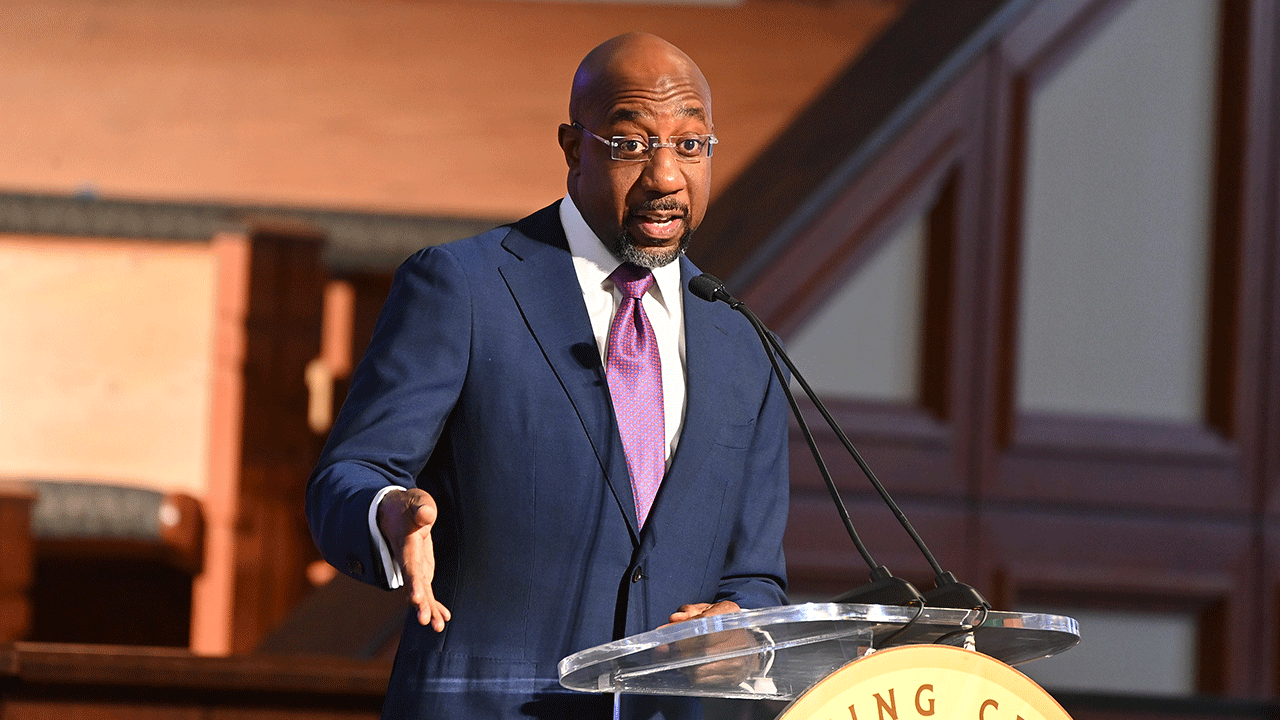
[965, 629]
[919, 605]
[766, 339]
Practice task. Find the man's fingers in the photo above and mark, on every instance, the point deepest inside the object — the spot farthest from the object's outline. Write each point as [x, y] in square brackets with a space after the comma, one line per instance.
[434, 614]
[419, 568]
[695, 610]
[688, 612]
[421, 509]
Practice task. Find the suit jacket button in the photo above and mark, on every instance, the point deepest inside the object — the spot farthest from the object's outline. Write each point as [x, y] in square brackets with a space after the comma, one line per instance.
[637, 575]
[355, 566]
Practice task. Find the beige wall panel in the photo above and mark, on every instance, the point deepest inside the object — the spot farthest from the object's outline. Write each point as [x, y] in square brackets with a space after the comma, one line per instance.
[1115, 269]
[865, 341]
[1104, 660]
[435, 107]
[106, 363]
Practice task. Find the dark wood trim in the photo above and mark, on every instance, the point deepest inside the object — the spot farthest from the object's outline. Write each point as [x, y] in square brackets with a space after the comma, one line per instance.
[1130, 463]
[1112, 461]
[1267, 44]
[16, 560]
[934, 169]
[869, 419]
[355, 240]
[1264, 96]
[1134, 440]
[846, 128]
[937, 333]
[1268, 652]
[1243, 216]
[1052, 33]
[1027, 54]
[24, 664]
[1100, 706]
[1140, 561]
[848, 234]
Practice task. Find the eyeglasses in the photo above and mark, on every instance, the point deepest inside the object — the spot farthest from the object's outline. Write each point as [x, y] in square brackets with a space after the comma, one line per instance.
[632, 148]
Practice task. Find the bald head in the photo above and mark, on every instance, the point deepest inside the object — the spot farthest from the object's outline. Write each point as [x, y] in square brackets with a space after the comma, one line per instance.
[637, 61]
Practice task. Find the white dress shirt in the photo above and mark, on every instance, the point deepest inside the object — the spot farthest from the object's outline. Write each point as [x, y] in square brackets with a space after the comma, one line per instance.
[664, 305]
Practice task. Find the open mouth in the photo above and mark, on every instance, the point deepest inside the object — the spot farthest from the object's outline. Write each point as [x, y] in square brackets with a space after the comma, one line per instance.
[657, 226]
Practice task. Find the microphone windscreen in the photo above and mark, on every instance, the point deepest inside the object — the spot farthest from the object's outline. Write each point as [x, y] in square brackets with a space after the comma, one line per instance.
[705, 286]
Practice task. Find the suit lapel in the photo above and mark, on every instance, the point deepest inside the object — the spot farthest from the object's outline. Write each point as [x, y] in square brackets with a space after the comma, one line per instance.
[542, 281]
[703, 336]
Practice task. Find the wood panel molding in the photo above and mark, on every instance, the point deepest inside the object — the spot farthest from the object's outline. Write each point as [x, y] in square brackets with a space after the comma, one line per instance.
[1132, 462]
[843, 130]
[1136, 562]
[933, 169]
[354, 240]
[40, 680]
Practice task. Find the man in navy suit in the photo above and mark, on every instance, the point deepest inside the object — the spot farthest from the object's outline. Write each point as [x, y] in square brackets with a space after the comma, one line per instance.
[479, 458]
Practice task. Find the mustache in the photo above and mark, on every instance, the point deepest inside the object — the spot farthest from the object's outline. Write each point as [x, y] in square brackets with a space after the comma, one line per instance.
[658, 205]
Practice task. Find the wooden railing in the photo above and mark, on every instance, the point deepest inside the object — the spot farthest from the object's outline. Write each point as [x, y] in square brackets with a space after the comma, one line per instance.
[120, 683]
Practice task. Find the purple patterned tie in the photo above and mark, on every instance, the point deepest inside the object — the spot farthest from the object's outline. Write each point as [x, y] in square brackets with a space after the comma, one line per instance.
[635, 384]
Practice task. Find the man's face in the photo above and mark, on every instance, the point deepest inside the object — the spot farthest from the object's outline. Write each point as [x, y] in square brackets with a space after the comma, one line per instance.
[644, 211]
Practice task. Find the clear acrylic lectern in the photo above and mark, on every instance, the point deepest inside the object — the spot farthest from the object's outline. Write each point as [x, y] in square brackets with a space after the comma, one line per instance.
[778, 653]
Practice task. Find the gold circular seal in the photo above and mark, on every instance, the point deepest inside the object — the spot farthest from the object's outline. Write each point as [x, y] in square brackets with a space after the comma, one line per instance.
[925, 681]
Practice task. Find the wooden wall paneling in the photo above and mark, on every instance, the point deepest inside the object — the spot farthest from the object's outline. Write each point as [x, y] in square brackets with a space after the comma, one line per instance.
[1135, 562]
[845, 126]
[92, 682]
[352, 109]
[931, 168]
[270, 297]
[1095, 460]
[1091, 706]
[279, 448]
[16, 560]
[211, 606]
[1268, 631]
[1259, 40]
[1239, 373]
[1267, 41]
[369, 290]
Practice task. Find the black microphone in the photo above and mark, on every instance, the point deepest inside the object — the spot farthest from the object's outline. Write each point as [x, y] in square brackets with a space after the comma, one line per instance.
[947, 592]
[884, 588]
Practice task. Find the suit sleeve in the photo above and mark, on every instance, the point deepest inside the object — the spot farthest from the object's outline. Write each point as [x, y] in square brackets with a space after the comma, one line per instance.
[755, 571]
[400, 398]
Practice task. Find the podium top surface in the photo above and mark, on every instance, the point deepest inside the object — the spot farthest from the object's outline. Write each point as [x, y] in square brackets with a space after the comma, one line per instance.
[778, 652]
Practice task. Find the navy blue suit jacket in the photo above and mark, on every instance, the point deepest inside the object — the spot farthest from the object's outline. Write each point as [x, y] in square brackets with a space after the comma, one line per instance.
[483, 385]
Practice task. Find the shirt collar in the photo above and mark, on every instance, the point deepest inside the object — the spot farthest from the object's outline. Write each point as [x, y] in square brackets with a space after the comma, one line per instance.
[594, 261]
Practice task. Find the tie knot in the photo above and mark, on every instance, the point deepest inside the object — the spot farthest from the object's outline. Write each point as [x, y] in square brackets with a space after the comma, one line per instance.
[632, 280]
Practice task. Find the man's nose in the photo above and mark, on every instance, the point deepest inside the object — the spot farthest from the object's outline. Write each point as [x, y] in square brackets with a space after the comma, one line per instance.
[663, 173]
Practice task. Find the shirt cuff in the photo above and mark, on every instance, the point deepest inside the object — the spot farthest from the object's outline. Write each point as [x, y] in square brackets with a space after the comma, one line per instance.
[390, 568]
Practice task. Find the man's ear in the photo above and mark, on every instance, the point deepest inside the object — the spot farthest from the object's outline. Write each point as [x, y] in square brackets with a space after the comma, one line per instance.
[571, 144]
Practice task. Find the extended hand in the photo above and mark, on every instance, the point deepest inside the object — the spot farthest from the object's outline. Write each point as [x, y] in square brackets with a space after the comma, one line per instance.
[405, 518]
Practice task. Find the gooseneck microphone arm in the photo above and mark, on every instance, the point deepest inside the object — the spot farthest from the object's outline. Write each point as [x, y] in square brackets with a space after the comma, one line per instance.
[813, 445]
[884, 588]
[948, 592]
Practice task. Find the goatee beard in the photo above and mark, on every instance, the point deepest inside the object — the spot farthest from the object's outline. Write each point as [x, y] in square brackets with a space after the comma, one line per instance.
[624, 246]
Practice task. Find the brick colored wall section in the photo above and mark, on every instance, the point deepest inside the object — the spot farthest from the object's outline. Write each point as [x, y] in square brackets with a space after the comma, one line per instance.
[436, 107]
